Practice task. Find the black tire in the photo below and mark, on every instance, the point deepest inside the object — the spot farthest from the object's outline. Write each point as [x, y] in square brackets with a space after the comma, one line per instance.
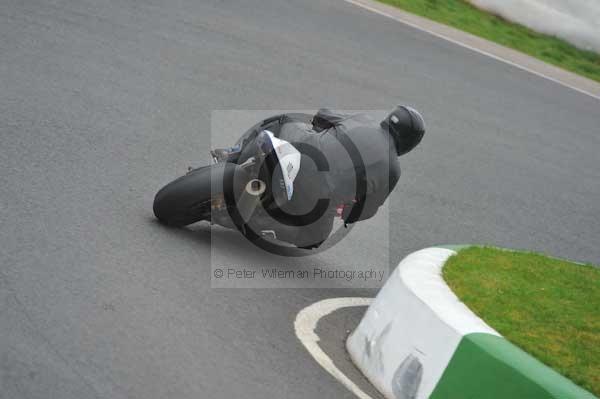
[187, 199]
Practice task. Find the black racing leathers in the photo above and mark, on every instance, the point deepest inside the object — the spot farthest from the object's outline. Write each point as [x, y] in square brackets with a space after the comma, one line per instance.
[347, 163]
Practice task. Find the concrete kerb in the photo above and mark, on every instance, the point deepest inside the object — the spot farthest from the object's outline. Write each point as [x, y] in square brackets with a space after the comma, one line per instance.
[418, 340]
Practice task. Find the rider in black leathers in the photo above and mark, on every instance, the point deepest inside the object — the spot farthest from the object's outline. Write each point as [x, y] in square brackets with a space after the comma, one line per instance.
[349, 165]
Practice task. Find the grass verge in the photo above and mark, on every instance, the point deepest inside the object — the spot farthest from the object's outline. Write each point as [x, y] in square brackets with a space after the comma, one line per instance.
[548, 307]
[462, 15]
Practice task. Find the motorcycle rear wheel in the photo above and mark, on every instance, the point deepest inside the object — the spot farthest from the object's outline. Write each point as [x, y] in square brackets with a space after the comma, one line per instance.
[187, 199]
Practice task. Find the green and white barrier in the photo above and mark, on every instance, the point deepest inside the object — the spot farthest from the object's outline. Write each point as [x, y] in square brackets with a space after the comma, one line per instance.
[418, 340]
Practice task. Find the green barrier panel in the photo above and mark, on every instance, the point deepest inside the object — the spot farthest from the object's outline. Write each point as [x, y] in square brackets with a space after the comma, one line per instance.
[487, 366]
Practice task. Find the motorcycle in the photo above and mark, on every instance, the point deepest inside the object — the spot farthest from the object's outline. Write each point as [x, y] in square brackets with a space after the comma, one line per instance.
[249, 185]
[258, 171]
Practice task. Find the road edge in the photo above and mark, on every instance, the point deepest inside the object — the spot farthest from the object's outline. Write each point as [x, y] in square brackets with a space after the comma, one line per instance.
[485, 47]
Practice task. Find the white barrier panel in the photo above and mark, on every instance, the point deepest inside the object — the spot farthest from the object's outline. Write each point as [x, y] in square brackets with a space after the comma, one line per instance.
[576, 21]
[408, 335]
[417, 340]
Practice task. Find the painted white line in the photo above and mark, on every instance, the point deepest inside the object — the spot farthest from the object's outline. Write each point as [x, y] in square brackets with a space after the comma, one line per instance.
[467, 46]
[305, 325]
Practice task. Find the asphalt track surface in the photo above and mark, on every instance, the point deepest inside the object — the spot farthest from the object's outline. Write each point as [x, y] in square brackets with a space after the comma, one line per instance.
[102, 102]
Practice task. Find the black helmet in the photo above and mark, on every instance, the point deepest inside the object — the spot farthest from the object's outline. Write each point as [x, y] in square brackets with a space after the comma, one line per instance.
[406, 126]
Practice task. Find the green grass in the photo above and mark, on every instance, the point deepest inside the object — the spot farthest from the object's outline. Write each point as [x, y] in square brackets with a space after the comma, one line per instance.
[548, 307]
[461, 15]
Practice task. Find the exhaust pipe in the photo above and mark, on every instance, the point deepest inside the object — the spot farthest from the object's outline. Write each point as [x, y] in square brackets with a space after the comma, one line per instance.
[250, 198]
